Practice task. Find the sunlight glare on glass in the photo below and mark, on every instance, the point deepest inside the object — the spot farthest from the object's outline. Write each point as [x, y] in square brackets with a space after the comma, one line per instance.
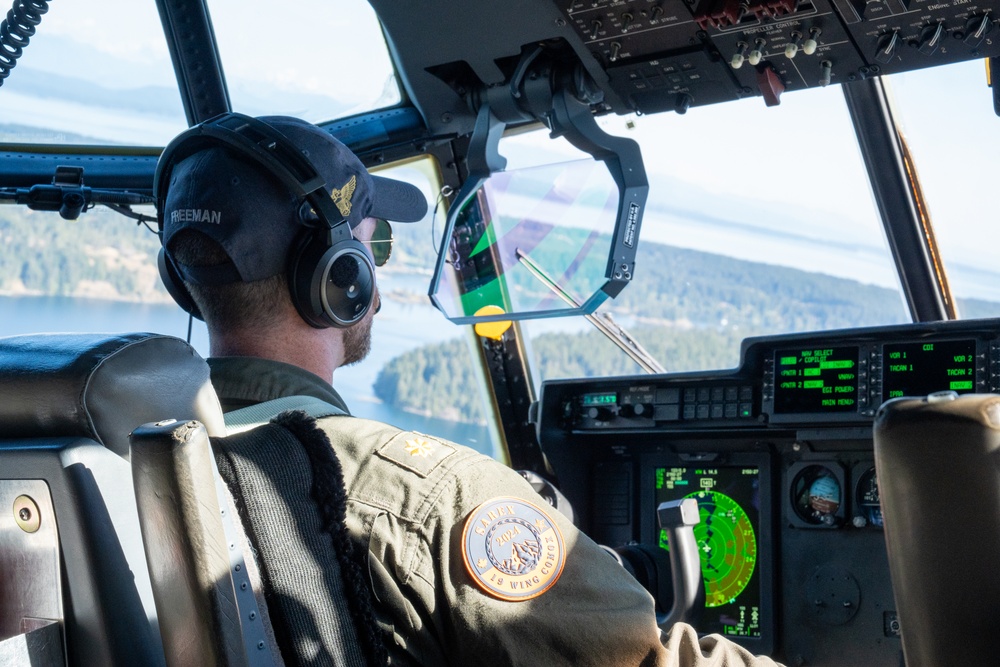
[327, 60]
[537, 243]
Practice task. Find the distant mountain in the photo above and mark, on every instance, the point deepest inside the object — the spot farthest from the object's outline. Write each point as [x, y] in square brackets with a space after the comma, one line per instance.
[27, 134]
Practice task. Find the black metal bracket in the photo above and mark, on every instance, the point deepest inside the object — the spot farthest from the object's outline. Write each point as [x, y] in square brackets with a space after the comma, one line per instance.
[191, 40]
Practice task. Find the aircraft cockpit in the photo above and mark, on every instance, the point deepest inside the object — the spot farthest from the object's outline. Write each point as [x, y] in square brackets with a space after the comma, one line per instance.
[734, 258]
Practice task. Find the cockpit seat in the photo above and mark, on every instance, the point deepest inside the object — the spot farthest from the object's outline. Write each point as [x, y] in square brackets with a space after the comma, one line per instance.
[938, 466]
[70, 546]
[123, 534]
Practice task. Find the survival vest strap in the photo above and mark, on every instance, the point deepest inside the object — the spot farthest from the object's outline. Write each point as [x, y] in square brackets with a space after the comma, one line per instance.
[288, 487]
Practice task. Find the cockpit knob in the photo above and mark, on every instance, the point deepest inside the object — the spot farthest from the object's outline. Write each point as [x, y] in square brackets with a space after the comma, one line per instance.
[887, 47]
[757, 54]
[930, 38]
[636, 410]
[600, 414]
[977, 28]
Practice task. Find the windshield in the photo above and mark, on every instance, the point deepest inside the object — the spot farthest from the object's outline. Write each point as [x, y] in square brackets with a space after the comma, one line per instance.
[121, 88]
[759, 221]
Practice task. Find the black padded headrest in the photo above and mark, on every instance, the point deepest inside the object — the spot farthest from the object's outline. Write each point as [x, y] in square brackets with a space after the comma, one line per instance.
[101, 386]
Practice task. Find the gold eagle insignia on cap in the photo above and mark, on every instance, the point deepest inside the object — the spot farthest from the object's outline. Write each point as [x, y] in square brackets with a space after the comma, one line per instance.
[342, 197]
[512, 549]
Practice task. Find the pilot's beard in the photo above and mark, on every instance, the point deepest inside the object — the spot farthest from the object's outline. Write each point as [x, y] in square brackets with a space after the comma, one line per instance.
[358, 340]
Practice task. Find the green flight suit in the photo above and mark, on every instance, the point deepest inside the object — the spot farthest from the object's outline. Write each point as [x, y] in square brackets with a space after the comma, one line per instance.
[439, 520]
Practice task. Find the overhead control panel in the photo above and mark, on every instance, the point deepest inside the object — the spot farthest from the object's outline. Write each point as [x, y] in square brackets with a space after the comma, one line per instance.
[673, 54]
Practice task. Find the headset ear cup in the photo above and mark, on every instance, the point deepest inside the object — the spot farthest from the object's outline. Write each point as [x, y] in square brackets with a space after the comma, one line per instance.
[331, 286]
[175, 285]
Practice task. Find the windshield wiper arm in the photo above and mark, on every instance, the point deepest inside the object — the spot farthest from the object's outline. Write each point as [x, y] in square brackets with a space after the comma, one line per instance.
[604, 322]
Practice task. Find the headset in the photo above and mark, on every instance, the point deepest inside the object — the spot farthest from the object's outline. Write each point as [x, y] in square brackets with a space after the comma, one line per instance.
[331, 275]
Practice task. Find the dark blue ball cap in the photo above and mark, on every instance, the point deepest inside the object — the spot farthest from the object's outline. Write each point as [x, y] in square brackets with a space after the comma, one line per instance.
[236, 201]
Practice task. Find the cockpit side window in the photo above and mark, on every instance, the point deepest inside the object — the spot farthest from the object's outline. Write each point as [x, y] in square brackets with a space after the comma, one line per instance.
[94, 72]
[332, 61]
[954, 165]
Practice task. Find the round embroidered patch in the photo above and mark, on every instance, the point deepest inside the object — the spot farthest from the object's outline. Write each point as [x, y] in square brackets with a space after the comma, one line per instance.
[512, 549]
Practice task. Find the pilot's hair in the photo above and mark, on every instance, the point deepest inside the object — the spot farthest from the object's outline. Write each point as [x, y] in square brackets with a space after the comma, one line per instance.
[236, 305]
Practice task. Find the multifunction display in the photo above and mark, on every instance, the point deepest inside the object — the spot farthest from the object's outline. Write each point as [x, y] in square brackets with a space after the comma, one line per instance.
[918, 369]
[816, 380]
[837, 377]
[727, 535]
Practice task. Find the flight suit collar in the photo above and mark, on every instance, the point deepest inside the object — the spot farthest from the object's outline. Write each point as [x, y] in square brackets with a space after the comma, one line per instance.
[243, 381]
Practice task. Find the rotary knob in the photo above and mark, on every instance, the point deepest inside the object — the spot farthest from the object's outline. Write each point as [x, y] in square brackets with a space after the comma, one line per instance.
[600, 414]
[930, 38]
[636, 410]
[887, 47]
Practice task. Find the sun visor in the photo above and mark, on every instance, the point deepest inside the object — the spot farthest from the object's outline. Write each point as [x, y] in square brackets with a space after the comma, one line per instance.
[544, 241]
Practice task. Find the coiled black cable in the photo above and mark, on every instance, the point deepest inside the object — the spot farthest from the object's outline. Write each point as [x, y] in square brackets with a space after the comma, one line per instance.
[16, 30]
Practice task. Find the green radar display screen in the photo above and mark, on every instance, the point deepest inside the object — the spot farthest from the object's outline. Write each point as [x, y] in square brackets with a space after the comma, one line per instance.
[816, 380]
[727, 533]
[918, 369]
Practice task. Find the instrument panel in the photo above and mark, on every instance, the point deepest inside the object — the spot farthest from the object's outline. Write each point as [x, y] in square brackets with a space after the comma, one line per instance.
[796, 380]
[778, 454]
[672, 54]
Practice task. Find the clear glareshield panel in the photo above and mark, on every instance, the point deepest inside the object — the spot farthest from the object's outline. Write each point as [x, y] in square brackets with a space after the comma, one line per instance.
[530, 243]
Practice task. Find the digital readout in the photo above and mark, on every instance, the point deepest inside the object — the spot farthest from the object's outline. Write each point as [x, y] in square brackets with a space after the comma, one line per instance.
[816, 380]
[599, 399]
[918, 369]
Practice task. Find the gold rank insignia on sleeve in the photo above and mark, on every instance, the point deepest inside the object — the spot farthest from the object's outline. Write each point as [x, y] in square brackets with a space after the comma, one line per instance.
[512, 549]
[416, 452]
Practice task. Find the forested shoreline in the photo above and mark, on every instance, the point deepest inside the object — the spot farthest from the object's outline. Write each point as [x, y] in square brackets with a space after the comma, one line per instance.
[689, 309]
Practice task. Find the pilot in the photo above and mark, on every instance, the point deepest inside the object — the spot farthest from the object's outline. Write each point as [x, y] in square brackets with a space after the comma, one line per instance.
[468, 565]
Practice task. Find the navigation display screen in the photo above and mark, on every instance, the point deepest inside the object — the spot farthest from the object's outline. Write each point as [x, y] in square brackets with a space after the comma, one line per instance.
[918, 369]
[816, 380]
[729, 508]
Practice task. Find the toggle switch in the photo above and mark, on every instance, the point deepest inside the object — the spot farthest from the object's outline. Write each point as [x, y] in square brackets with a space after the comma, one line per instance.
[595, 26]
[793, 46]
[736, 61]
[812, 43]
[825, 73]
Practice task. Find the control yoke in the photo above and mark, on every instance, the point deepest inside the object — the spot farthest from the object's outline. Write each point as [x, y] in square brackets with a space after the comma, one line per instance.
[677, 518]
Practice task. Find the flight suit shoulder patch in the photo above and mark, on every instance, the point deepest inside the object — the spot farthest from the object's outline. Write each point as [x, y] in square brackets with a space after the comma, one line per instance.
[416, 452]
[512, 549]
